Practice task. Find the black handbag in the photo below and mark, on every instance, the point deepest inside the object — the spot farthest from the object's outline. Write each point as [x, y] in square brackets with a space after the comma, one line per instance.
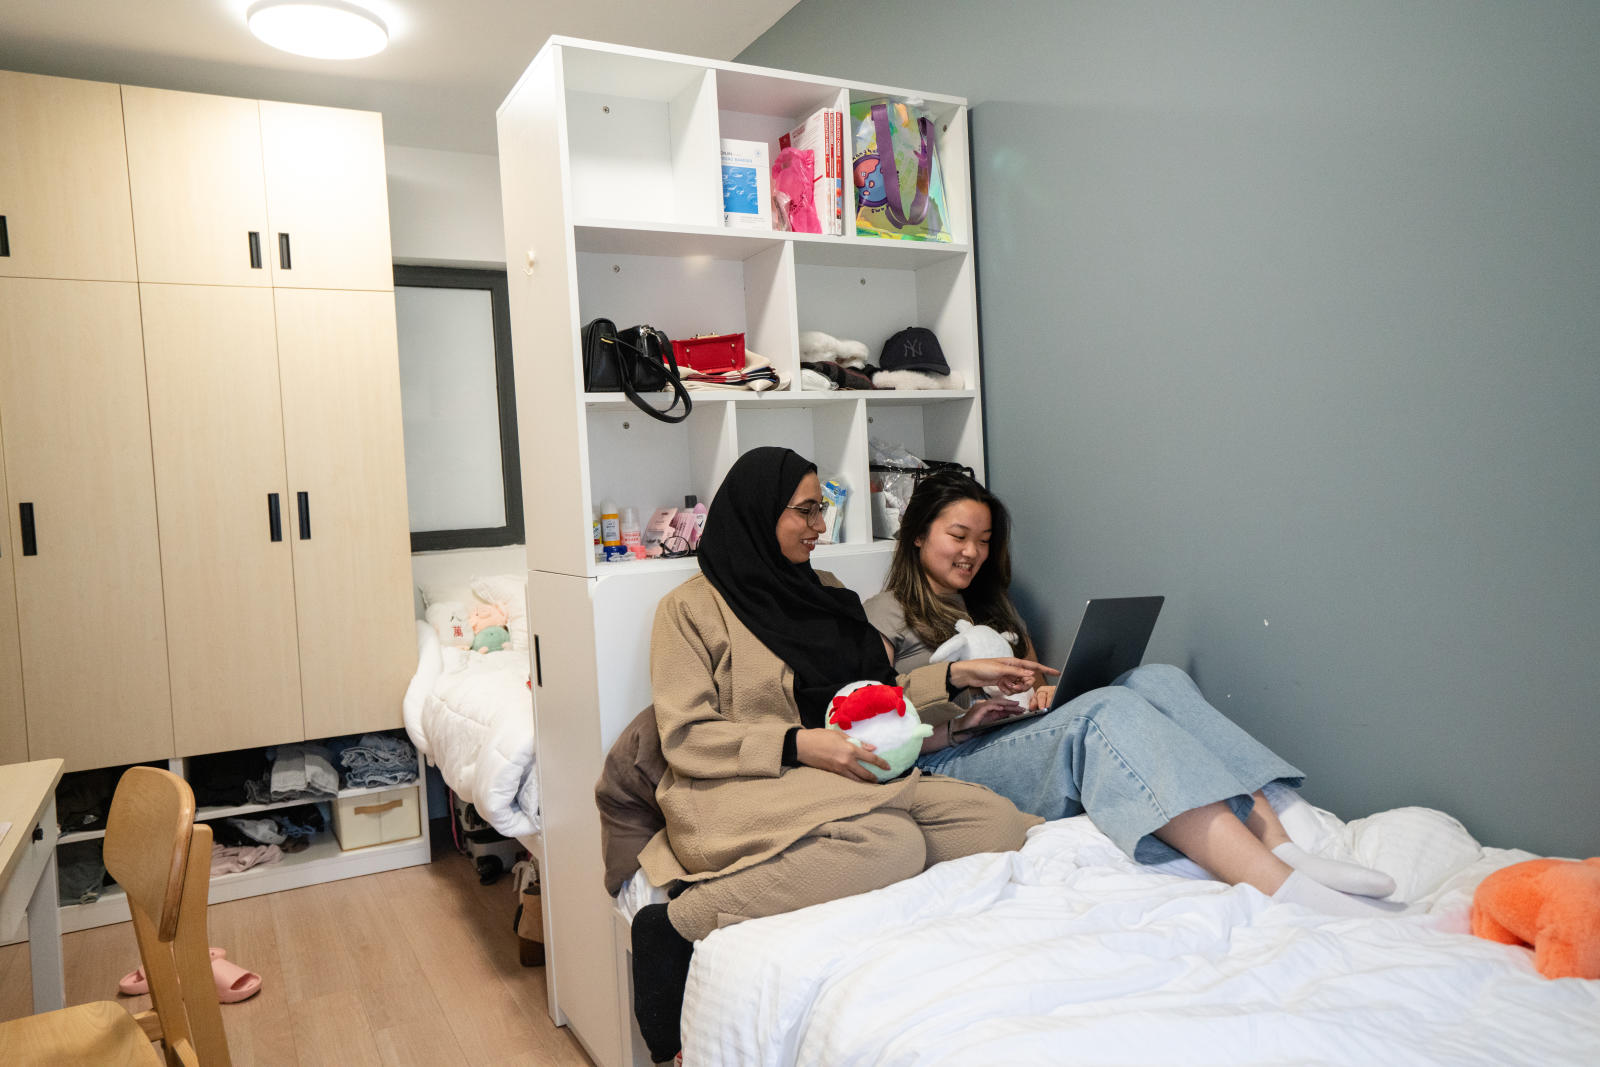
[633, 361]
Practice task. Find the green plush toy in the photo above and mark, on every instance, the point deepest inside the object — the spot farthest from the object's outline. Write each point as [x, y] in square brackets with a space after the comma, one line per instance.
[491, 639]
[881, 716]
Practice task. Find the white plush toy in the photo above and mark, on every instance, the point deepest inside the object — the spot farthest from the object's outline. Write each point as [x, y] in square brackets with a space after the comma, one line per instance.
[981, 642]
[882, 717]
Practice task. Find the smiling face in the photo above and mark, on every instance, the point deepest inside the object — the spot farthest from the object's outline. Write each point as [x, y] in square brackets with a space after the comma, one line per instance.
[955, 545]
[797, 535]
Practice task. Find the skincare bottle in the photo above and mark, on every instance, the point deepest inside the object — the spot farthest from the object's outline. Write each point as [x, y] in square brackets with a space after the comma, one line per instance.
[699, 512]
[611, 531]
[598, 548]
[630, 530]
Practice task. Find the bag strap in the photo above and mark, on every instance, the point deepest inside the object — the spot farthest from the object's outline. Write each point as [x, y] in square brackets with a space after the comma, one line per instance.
[892, 205]
[671, 366]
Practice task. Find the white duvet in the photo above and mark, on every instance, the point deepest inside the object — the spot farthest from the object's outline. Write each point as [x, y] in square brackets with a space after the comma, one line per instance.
[471, 714]
[1068, 952]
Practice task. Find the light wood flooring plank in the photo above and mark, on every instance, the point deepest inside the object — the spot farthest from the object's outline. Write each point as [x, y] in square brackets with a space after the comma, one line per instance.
[416, 966]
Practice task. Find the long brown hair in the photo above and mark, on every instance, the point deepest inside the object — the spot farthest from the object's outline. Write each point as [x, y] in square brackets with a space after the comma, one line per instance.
[988, 602]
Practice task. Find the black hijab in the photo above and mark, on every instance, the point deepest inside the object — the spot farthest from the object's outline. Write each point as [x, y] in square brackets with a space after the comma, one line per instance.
[822, 633]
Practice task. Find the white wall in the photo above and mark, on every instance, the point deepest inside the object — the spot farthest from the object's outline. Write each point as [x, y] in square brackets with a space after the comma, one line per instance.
[444, 208]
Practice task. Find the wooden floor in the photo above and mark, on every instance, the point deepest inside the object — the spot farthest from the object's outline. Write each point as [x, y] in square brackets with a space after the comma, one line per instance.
[416, 966]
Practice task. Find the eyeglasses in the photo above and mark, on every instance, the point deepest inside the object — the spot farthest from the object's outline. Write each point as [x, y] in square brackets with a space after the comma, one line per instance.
[812, 512]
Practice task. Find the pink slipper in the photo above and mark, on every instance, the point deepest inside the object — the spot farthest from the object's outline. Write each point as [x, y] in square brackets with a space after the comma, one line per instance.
[134, 983]
[234, 983]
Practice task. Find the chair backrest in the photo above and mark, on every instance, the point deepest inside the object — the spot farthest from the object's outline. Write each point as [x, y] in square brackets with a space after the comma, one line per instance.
[163, 861]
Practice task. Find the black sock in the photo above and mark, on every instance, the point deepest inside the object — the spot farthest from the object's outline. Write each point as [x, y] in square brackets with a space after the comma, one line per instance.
[660, 971]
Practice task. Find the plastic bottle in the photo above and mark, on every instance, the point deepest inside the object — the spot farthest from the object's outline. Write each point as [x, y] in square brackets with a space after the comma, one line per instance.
[699, 512]
[599, 550]
[610, 531]
[631, 534]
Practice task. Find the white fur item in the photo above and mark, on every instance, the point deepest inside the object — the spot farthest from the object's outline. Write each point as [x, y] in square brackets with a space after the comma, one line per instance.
[914, 379]
[980, 642]
[817, 347]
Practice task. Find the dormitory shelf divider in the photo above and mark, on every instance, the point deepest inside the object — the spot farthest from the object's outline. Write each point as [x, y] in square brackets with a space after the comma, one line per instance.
[611, 189]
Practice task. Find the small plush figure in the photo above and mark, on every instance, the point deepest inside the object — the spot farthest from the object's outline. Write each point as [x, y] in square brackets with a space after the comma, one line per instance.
[981, 642]
[879, 715]
[491, 639]
[483, 616]
[1552, 905]
[816, 346]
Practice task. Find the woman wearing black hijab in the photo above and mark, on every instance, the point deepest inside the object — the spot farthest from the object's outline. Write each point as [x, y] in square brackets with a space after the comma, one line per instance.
[766, 811]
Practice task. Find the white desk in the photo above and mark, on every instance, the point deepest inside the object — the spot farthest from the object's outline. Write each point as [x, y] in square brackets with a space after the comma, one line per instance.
[28, 872]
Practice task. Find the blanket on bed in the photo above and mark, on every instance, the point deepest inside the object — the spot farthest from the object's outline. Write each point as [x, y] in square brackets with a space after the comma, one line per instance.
[471, 715]
[1068, 952]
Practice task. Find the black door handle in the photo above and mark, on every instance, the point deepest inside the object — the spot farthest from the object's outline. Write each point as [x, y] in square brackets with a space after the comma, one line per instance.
[274, 520]
[30, 543]
[303, 500]
[5, 238]
[255, 249]
[283, 251]
[538, 668]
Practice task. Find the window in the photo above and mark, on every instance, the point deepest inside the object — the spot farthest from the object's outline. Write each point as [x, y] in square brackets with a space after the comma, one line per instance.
[463, 481]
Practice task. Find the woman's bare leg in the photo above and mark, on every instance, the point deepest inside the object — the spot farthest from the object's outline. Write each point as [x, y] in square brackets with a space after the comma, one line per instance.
[1263, 822]
[1335, 874]
[1214, 838]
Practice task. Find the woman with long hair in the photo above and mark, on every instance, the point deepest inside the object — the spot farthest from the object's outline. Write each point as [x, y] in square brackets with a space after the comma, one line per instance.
[1159, 770]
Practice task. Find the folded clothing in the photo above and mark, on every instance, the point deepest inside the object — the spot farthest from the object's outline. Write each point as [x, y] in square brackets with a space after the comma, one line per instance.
[298, 770]
[379, 759]
[231, 859]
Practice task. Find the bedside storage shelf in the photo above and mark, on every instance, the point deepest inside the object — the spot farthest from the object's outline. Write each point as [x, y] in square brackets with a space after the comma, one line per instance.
[610, 166]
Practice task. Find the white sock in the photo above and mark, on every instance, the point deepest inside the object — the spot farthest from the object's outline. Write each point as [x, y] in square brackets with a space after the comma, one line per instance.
[1300, 888]
[1336, 874]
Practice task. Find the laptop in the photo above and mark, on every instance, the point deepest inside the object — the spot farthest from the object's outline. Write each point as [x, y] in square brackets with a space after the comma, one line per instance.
[1110, 641]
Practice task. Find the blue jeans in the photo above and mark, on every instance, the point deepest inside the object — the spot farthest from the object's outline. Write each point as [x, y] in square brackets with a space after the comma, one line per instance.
[1132, 756]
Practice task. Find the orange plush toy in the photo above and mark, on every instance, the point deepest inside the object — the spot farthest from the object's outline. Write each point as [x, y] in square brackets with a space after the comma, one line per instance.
[1553, 905]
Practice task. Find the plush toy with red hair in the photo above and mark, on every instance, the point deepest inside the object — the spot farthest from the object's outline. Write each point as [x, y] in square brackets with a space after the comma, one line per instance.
[881, 716]
[1552, 905]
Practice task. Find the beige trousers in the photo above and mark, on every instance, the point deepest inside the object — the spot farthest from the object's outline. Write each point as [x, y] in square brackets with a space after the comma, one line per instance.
[947, 819]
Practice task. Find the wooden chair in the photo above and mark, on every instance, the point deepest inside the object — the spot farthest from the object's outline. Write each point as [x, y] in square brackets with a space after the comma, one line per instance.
[163, 860]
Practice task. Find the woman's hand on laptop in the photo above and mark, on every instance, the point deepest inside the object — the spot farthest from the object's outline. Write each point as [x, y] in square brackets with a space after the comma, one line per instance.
[1009, 673]
[995, 709]
[1042, 697]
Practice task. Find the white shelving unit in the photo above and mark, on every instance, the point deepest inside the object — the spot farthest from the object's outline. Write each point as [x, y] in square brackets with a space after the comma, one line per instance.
[321, 861]
[611, 184]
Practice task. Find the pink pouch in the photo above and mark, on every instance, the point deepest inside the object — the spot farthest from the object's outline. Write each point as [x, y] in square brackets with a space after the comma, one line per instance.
[792, 177]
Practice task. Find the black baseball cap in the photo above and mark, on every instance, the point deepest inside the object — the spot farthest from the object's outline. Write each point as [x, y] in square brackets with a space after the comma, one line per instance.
[914, 348]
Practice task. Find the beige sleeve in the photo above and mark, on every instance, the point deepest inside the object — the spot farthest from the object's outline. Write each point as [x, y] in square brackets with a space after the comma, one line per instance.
[696, 739]
[925, 688]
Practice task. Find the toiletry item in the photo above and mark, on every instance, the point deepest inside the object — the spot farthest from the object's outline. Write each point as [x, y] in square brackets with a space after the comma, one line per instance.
[683, 526]
[699, 511]
[640, 552]
[611, 532]
[599, 549]
[657, 530]
[835, 493]
[631, 536]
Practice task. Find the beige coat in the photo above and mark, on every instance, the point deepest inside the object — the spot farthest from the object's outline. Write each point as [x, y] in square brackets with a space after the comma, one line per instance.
[723, 704]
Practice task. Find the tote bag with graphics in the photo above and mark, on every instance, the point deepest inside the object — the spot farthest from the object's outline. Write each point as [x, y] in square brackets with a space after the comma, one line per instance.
[899, 187]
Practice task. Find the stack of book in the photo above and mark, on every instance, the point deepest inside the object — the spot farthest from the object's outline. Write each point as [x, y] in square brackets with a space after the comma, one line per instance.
[823, 134]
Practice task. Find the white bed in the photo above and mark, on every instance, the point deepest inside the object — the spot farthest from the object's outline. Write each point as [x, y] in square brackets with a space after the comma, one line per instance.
[1068, 952]
[471, 713]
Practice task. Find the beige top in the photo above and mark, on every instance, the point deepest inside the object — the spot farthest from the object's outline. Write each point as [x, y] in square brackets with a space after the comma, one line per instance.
[723, 703]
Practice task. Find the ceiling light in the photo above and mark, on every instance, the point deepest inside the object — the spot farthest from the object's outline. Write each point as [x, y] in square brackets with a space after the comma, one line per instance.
[321, 29]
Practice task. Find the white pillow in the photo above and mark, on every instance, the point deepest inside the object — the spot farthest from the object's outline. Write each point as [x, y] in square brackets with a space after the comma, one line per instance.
[509, 591]
[449, 620]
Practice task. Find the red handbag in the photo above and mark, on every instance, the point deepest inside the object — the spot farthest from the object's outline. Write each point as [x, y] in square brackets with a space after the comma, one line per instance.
[711, 354]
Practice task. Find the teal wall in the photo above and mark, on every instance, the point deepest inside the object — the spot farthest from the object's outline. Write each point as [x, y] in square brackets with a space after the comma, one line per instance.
[1291, 312]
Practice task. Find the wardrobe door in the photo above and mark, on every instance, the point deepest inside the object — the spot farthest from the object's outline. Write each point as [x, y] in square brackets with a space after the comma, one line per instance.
[199, 202]
[13, 723]
[339, 363]
[63, 180]
[216, 430]
[327, 197]
[83, 520]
